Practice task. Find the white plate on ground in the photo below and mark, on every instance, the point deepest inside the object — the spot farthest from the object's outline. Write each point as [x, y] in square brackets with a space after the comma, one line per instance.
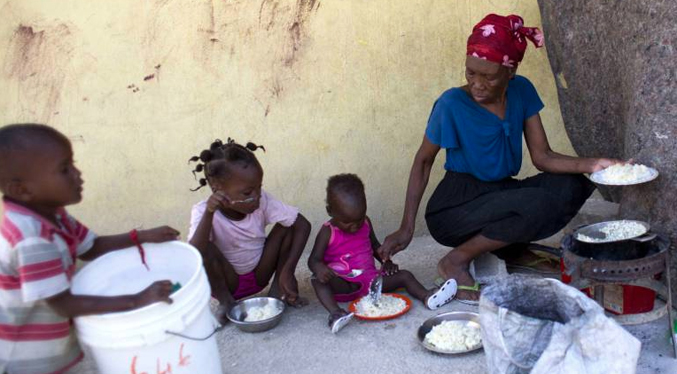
[599, 178]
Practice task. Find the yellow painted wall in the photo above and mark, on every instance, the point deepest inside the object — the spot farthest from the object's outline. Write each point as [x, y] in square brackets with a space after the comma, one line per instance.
[327, 86]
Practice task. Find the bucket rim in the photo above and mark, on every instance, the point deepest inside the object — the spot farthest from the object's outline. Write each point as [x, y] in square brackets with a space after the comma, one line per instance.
[114, 315]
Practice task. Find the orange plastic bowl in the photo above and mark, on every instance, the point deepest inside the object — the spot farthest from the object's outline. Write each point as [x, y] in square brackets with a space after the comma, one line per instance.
[353, 308]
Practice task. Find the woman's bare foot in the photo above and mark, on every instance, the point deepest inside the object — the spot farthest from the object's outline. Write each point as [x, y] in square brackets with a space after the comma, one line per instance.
[449, 268]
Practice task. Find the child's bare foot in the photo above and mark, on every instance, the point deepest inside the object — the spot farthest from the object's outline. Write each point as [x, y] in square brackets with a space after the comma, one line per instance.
[291, 297]
[222, 312]
[294, 300]
[338, 320]
[450, 269]
[275, 292]
[297, 302]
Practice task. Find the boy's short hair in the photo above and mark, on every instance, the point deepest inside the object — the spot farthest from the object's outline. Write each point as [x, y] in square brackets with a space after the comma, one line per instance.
[24, 137]
[20, 136]
[349, 184]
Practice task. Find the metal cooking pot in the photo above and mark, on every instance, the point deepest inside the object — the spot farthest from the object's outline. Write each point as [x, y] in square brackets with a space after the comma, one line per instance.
[611, 250]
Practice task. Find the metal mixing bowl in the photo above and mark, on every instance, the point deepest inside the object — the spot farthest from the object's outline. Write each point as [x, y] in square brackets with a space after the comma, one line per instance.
[469, 318]
[238, 313]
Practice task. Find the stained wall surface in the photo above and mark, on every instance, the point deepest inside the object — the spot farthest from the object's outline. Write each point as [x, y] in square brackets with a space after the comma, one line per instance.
[327, 86]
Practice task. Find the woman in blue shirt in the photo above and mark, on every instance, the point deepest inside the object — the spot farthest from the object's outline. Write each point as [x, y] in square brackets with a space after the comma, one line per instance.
[478, 207]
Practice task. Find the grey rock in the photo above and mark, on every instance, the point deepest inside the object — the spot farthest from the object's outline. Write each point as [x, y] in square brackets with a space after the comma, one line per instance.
[614, 63]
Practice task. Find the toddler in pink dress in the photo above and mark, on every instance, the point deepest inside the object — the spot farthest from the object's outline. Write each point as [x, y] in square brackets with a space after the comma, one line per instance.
[342, 259]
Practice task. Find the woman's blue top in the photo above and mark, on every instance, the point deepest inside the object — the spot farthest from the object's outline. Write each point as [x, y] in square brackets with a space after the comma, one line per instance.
[477, 141]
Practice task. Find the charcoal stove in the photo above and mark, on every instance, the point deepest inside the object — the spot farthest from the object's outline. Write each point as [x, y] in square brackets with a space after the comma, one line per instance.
[633, 263]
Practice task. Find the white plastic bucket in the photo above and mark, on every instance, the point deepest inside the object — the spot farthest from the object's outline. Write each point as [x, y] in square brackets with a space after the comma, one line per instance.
[145, 340]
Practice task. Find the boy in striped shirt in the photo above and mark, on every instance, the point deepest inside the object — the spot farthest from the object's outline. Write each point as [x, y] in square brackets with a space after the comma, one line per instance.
[39, 245]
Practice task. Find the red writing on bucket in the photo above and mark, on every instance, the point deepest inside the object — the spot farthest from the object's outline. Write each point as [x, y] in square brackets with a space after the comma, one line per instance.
[162, 367]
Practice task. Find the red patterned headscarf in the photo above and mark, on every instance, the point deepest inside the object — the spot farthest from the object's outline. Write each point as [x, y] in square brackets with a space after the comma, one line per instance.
[502, 39]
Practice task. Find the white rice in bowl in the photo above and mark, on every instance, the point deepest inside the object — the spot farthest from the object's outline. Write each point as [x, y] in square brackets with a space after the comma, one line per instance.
[615, 231]
[623, 174]
[454, 336]
[260, 313]
[387, 306]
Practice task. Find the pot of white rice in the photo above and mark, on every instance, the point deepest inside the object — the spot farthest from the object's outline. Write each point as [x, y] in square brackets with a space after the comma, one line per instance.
[612, 231]
[612, 241]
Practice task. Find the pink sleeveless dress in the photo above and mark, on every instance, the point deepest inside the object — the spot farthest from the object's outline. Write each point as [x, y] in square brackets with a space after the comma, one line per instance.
[355, 251]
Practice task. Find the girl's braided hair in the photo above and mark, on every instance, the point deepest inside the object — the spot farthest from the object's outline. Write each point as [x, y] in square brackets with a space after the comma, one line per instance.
[216, 161]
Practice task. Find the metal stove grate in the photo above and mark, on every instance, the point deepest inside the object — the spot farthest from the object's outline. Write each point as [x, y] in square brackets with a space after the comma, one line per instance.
[587, 272]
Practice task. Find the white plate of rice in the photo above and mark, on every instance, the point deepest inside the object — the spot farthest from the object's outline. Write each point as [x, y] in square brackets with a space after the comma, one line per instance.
[624, 175]
[390, 305]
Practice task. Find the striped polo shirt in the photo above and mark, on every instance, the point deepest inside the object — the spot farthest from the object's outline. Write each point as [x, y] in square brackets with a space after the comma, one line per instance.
[37, 261]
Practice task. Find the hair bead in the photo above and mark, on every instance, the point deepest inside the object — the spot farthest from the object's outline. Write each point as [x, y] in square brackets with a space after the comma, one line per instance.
[225, 154]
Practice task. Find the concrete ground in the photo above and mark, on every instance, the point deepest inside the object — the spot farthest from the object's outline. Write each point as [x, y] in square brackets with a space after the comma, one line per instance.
[303, 343]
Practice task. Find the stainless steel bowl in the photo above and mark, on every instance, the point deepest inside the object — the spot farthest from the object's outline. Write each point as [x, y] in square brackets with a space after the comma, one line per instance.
[469, 318]
[238, 313]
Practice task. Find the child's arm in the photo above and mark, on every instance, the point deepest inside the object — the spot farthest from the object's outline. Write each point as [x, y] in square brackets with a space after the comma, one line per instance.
[388, 267]
[69, 305]
[105, 244]
[316, 259]
[375, 244]
[300, 233]
[200, 239]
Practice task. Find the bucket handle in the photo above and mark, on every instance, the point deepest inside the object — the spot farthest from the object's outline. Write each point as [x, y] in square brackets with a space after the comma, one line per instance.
[502, 312]
[217, 329]
[646, 237]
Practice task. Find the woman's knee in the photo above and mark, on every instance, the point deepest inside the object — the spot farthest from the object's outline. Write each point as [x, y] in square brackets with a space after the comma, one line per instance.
[581, 188]
[568, 188]
[563, 196]
[440, 231]
[539, 200]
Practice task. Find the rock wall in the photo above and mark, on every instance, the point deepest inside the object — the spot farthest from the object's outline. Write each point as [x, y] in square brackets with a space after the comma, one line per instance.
[614, 63]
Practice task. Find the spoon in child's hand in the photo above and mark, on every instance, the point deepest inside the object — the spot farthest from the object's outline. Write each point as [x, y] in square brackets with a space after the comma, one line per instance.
[354, 273]
[245, 201]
